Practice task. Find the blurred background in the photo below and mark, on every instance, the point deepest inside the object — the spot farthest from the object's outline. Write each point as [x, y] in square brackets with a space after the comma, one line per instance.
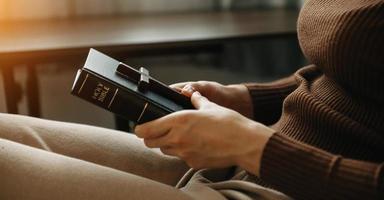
[43, 9]
[253, 59]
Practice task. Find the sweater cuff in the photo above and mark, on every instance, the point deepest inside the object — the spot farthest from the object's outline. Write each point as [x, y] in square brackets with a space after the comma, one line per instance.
[305, 172]
[289, 166]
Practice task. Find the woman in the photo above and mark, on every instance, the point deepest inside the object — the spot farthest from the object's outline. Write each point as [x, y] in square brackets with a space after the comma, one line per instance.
[326, 143]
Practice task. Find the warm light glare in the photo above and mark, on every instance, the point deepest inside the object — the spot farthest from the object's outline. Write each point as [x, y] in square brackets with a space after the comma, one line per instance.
[48, 9]
[53, 9]
[32, 9]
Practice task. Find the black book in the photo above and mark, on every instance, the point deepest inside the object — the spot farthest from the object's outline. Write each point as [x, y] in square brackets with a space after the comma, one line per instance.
[125, 91]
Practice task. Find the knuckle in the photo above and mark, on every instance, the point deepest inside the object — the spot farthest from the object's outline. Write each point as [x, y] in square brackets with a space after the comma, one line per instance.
[148, 143]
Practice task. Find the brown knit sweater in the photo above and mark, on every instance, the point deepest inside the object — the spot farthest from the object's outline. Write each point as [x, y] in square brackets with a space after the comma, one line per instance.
[330, 115]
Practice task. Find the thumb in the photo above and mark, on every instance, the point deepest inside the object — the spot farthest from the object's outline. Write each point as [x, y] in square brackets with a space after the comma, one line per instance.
[198, 100]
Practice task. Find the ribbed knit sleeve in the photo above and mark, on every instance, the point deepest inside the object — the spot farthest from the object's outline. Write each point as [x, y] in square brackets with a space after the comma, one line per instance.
[267, 98]
[305, 172]
[330, 137]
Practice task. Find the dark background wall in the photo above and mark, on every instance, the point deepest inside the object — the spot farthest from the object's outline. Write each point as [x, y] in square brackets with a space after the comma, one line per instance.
[238, 61]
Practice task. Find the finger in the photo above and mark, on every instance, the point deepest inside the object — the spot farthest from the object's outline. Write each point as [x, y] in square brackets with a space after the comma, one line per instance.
[179, 86]
[200, 86]
[169, 151]
[198, 101]
[188, 90]
[157, 127]
[159, 142]
[177, 89]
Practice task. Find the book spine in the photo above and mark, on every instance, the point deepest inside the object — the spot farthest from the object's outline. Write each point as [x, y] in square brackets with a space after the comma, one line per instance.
[106, 94]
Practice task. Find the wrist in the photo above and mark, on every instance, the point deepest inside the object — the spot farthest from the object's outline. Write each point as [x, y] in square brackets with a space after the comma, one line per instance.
[250, 160]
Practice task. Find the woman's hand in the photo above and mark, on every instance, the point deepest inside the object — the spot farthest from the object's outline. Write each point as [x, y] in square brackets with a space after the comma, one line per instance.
[235, 97]
[210, 137]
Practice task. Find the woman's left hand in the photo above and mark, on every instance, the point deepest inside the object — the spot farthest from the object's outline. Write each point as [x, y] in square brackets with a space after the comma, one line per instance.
[209, 137]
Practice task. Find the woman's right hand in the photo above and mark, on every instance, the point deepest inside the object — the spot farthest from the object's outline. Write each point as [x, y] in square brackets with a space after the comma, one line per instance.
[235, 97]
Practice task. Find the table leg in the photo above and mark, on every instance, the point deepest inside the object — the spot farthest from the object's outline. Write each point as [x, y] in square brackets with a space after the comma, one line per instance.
[33, 94]
[11, 88]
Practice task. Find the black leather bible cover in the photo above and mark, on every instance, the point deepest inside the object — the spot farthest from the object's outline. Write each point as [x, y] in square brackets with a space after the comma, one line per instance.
[125, 91]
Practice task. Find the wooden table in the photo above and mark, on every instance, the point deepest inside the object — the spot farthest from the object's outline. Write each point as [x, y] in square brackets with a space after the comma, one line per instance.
[35, 42]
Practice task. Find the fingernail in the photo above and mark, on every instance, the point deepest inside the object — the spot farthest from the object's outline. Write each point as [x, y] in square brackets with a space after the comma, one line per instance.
[189, 89]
